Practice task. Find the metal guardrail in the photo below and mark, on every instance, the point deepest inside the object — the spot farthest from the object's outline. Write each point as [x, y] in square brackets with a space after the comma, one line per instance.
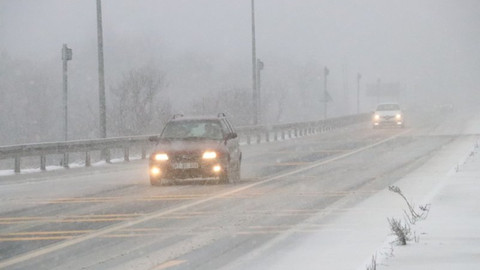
[247, 134]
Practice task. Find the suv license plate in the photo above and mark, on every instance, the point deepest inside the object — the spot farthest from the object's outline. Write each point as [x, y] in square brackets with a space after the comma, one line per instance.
[188, 165]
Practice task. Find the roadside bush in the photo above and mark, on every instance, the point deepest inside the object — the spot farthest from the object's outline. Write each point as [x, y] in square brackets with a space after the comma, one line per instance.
[412, 215]
[401, 230]
[373, 264]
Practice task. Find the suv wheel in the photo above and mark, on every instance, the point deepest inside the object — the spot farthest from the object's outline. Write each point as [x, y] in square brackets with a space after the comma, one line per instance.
[226, 177]
[237, 174]
[231, 175]
[156, 181]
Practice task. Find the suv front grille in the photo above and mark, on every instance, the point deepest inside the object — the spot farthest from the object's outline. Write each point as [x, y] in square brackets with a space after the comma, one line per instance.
[185, 157]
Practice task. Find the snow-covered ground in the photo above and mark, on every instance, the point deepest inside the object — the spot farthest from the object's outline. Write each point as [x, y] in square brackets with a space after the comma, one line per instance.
[449, 238]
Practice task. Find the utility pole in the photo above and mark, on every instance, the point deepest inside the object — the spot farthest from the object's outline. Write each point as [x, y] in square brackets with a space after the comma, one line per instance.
[325, 93]
[66, 56]
[359, 76]
[254, 69]
[259, 87]
[101, 73]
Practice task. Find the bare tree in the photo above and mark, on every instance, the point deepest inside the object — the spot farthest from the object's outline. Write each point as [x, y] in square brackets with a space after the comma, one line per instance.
[140, 105]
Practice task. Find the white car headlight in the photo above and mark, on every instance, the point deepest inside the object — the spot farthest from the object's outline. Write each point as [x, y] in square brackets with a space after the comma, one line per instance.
[155, 171]
[376, 117]
[398, 116]
[161, 157]
[209, 155]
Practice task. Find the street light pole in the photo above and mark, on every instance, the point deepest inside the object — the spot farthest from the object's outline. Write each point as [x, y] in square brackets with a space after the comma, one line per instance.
[254, 69]
[325, 93]
[66, 56]
[101, 73]
[259, 87]
[359, 76]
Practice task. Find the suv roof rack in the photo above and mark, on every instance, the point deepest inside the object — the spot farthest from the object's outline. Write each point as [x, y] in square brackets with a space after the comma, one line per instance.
[175, 116]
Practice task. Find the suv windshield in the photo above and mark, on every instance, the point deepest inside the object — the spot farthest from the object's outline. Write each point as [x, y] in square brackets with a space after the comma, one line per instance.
[388, 107]
[187, 129]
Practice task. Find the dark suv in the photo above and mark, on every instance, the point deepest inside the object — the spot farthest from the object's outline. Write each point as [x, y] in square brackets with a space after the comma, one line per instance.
[196, 147]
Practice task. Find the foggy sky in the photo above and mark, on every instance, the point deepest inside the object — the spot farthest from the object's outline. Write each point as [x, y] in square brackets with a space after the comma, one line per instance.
[431, 46]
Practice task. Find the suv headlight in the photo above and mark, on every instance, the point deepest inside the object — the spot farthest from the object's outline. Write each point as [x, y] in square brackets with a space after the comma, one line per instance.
[376, 117]
[209, 155]
[161, 157]
[398, 116]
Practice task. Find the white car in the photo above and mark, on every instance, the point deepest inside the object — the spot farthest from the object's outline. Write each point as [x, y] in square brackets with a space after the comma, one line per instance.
[388, 114]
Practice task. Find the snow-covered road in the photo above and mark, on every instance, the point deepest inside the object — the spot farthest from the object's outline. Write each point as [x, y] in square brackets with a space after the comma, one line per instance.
[316, 202]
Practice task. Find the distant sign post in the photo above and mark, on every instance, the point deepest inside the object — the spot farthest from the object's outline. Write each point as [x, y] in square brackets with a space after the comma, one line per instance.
[326, 96]
[359, 77]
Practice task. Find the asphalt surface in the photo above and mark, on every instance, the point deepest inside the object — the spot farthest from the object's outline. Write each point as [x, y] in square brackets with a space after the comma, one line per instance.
[110, 217]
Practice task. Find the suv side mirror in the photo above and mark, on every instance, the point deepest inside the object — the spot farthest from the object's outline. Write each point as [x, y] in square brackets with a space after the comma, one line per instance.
[231, 136]
[153, 138]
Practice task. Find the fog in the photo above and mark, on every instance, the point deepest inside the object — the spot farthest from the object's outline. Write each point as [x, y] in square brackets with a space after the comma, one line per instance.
[198, 53]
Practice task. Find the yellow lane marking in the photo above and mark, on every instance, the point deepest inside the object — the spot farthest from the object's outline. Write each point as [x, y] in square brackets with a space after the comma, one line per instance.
[186, 197]
[67, 219]
[162, 212]
[168, 264]
[92, 218]
[127, 199]
[144, 232]
[43, 238]
[45, 233]
[71, 217]
[62, 235]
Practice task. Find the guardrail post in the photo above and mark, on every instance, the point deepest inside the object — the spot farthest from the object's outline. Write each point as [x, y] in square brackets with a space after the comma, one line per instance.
[88, 161]
[267, 136]
[295, 132]
[283, 134]
[144, 151]
[275, 135]
[107, 156]
[259, 137]
[65, 160]
[248, 138]
[290, 133]
[17, 164]
[43, 163]
[126, 153]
